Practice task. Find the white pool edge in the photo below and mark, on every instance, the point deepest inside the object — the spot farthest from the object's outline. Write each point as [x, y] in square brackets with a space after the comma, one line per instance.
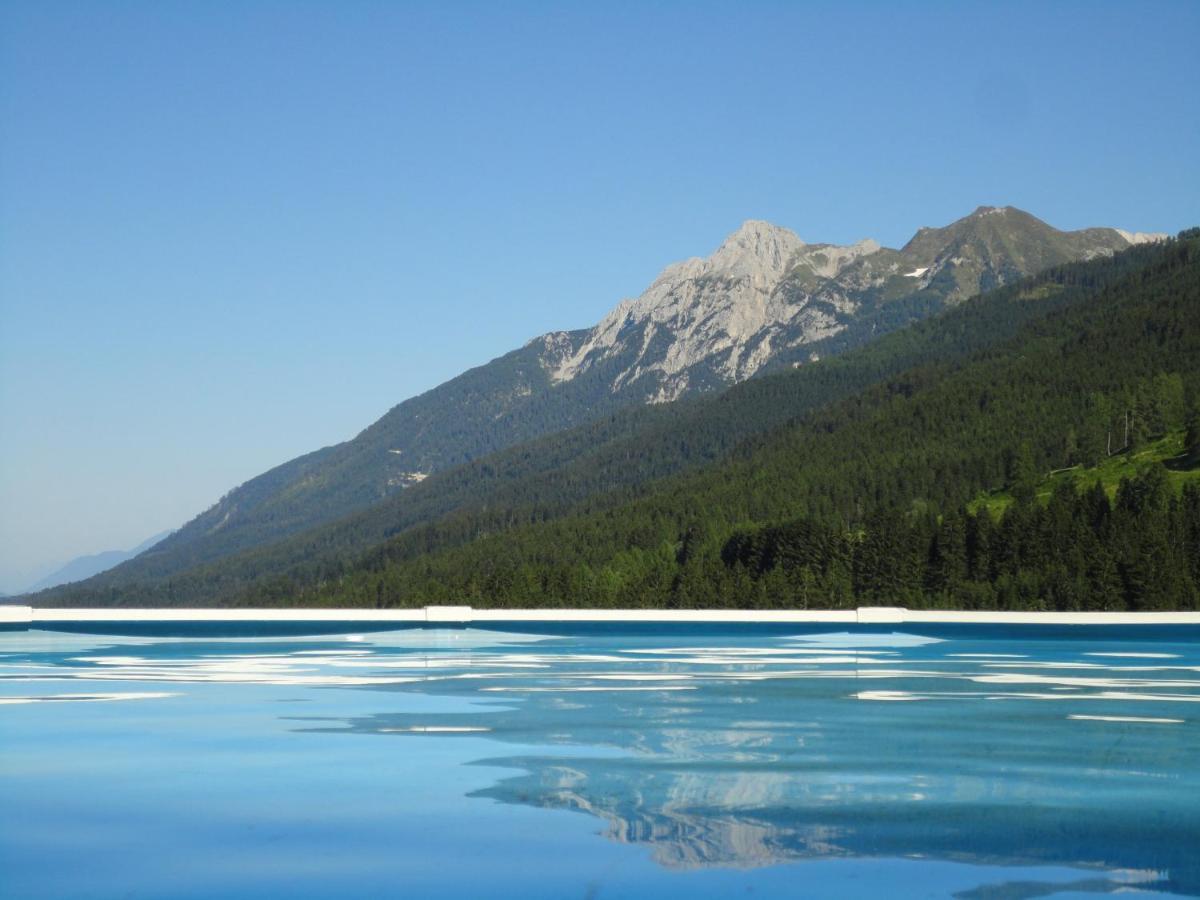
[461, 615]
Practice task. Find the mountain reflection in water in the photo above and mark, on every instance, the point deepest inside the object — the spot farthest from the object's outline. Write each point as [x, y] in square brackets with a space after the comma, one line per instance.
[736, 751]
[736, 756]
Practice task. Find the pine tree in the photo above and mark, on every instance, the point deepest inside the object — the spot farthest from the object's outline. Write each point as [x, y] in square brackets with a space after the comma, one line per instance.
[1021, 475]
[947, 568]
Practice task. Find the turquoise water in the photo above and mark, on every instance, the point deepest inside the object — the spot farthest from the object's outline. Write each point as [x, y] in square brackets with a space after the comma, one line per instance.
[470, 763]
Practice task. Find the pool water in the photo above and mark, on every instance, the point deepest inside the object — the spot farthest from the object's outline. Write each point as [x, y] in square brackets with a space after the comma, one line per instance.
[472, 763]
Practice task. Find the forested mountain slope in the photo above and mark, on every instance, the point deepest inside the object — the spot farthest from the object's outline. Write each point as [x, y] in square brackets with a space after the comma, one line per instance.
[608, 460]
[764, 301]
[865, 501]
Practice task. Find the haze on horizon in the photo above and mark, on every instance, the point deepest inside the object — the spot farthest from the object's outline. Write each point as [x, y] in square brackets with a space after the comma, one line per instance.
[230, 234]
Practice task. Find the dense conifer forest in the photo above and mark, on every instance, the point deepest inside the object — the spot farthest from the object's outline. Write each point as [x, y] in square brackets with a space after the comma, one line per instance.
[852, 481]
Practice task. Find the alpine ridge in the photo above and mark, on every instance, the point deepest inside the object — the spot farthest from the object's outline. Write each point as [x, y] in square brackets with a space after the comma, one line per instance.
[765, 293]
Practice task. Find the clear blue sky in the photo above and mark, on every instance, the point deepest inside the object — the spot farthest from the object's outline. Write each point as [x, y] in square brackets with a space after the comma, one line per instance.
[234, 232]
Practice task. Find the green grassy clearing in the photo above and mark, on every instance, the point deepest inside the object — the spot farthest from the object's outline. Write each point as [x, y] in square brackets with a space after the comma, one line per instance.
[1168, 450]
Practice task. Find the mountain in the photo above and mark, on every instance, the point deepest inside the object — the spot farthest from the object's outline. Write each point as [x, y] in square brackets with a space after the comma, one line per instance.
[866, 501]
[598, 465]
[764, 301]
[93, 564]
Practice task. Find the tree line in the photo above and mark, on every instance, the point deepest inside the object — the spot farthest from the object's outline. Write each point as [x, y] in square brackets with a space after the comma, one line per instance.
[1079, 551]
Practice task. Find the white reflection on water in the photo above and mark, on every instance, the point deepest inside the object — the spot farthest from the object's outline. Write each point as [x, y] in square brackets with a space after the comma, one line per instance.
[86, 698]
[436, 729]
[421, 658]
[569, 689]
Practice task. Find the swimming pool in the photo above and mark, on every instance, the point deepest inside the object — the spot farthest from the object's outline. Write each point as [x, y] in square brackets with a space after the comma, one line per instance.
[470, 762]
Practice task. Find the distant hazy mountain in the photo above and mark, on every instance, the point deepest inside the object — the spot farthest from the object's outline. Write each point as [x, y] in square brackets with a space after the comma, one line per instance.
[764, 300]
[86, 566]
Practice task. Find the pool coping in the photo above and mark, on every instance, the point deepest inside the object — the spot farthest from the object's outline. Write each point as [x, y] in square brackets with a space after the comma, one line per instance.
[465, 615]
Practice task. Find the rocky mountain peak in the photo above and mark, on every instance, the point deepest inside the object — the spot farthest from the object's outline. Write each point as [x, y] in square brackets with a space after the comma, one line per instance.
[718, 312]
[757, 248]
